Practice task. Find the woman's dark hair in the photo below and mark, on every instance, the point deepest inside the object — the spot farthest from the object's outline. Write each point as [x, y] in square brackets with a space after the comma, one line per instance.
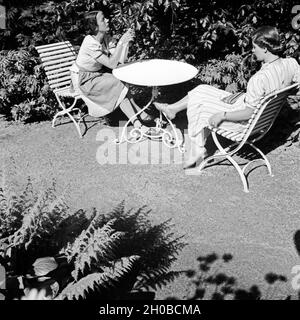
[268, 37]
[91, 22]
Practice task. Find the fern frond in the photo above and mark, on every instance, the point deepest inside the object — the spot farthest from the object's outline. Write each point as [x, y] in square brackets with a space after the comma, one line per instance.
[156, 280]
[119, 209]
[107, 278]
[76, 290]
[40, 217]
[11, 205]
[123, 265]
[93, 246]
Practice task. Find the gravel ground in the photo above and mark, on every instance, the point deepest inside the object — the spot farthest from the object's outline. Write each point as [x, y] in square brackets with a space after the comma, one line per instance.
[211, 210]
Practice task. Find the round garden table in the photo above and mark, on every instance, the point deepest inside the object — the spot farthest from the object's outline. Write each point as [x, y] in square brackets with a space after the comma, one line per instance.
[154, 73]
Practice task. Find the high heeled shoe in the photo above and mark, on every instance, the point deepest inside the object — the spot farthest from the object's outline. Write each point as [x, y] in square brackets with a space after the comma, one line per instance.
[195, 160]
[148, 120]
[143, 129]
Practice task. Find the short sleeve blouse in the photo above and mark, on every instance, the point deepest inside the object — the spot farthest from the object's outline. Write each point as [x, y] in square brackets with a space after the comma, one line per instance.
[271, 77]
[255, 90]
[88, 54]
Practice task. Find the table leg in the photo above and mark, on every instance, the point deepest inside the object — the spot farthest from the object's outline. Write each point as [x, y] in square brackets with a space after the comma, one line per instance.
[157, 132]
[168, 138]
[135, 133]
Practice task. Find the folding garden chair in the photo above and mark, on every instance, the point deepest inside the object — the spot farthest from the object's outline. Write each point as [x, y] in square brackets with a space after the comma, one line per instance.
[57, 58]
[258, 125]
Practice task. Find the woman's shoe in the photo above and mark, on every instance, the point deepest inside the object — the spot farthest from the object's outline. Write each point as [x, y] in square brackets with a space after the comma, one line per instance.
[148, 120]
[195, 159]
[138, 125]
[163, 107]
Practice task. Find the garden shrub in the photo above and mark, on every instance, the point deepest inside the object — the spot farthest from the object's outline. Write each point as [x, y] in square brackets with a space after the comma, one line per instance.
[196, 32]
[230, 74]
[24, 94]
[76, 255]
[185, 29]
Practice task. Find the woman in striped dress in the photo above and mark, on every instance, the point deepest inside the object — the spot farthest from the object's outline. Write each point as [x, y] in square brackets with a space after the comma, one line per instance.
[207, 105]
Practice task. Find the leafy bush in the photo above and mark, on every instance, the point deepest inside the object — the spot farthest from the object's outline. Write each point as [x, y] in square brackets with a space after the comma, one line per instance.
[231, 74]
[24, 94]
[186, 30]
[76, 255]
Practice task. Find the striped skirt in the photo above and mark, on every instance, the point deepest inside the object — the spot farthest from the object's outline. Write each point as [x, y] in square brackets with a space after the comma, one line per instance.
[203, 102]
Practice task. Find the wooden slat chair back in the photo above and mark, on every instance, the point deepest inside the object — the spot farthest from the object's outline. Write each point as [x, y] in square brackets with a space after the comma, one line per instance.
[258, 125]
[57, 58]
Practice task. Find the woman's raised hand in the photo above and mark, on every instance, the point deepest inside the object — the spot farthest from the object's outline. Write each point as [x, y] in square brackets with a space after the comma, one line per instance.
[216, 119]
[127, 36]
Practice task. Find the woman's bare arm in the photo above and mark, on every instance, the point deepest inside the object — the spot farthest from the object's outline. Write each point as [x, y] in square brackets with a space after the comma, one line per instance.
[234, 116]
[112, 61]
[238, 115]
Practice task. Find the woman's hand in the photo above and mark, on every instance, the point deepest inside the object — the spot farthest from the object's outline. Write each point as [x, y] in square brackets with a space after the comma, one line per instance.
[216, 119]
[233, 116]
[226, 99]
[127, 36]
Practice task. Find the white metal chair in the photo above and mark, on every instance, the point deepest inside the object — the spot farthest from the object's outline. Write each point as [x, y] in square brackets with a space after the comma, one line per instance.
[258, 125]
[57, 58]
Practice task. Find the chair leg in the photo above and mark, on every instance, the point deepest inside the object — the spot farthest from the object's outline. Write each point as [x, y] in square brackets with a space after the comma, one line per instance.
[83, 120]
[240, 172]
[76, 124]
[58, 114]
[264, 158]
[67, 111]
[223, 153]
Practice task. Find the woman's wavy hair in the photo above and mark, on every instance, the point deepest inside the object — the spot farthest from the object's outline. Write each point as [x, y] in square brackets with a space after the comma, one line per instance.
[268, 37]
[91, 22]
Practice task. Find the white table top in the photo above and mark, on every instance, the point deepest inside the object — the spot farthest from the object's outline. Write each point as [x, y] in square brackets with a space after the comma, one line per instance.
[155, 72]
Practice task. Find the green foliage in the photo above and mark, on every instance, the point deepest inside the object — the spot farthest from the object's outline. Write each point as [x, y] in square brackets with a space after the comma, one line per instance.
[103, 256]
[38, 22]
[108, 277]
[184, 29]
[155, 245]
[34, 224]
[231, 74]
[93, 244]
[193, 31]
[24, 93]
